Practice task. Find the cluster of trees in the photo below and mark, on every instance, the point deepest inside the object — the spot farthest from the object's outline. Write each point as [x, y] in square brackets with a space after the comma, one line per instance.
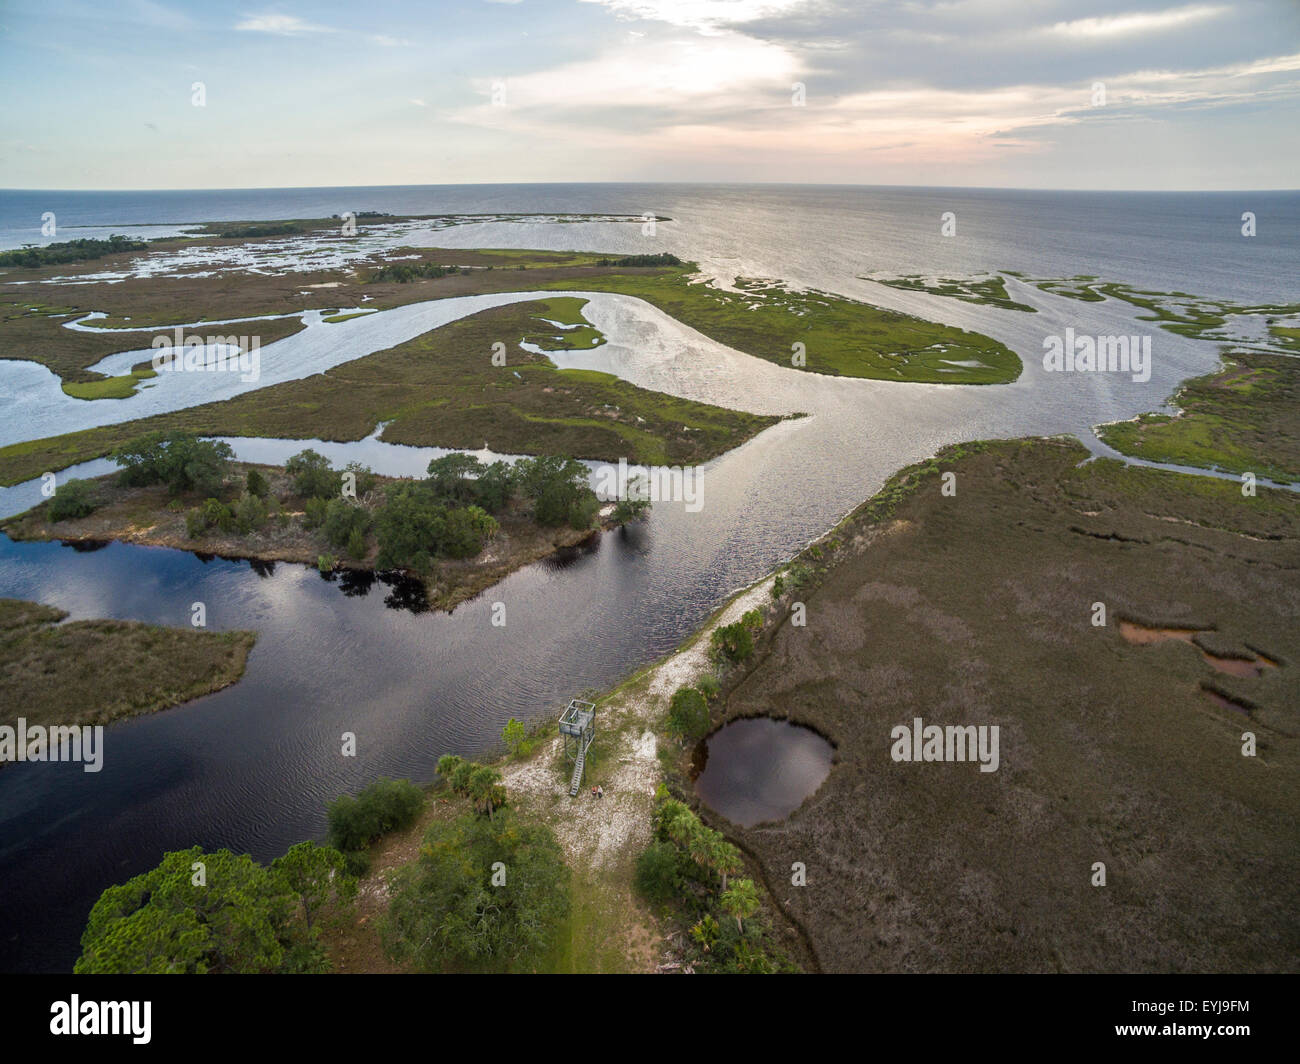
[384, 806]
[217, 912]
[484, 895]
[479, 783]
[691, 866]
[181, 461]
[732, 643]
[315, 478]
[70, 251]
[245, 232]
[451, 512]
[663, 259]
[405, 272]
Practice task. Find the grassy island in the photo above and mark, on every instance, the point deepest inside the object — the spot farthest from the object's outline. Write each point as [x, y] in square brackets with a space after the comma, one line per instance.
[94, 672]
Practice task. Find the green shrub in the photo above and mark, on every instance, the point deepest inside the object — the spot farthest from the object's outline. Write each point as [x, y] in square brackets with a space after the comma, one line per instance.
[357, 546]
[216, 514]
[73, 499]
[688, 714]
[732, 642]
[195, 526]
[313, 476]
[314, 513]
[656, 872]
[250, 513]
[384, 806]
[256, 484]
[342, 518]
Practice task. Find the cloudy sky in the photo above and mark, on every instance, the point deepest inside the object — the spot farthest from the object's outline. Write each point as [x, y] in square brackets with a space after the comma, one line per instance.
[1014, 93]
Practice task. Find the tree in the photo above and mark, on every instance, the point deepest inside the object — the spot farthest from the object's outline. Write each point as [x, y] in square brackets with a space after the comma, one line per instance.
[313, 476]
[514, 734]
[411, 527]
[316, 875]
[495, 486]
[447, 764]
[741, 901]
[342, 519]
[635, 504]
[688, 714]
[486, 789]
[558, 488]
[256, 484]
[452, 476]
[483, 895]
[461, 535]
[232, 916]
[725, 859]
[183, 462]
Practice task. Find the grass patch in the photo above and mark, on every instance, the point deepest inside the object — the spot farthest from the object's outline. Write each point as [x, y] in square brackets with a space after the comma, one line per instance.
[840, 337]
[1239, 419]
[989, 291]
[441, 389]
[94, 672]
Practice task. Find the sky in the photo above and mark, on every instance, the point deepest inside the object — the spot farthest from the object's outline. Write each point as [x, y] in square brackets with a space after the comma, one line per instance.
[1078, 94]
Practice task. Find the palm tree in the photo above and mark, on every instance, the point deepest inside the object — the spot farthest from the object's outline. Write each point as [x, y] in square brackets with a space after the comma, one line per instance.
[486, 789]
[741, 901]
[447, 764]
[726, 860]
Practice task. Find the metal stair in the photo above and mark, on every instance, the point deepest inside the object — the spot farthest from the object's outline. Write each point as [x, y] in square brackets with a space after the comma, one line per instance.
[576, 783]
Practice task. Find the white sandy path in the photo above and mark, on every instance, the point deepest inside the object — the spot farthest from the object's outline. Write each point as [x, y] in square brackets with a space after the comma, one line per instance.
[600, 833]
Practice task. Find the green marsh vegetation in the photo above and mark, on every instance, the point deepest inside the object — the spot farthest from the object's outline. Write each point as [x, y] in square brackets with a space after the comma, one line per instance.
[442, 389]
[1239, 419]
[989, 291]
[96, 671]
[1138, 767]
[840, 337]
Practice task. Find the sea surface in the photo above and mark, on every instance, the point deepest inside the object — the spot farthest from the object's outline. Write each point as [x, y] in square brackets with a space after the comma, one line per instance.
[252, 767]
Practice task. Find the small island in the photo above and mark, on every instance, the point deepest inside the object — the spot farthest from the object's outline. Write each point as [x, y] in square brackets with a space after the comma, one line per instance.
[461, 529]
[105, 669]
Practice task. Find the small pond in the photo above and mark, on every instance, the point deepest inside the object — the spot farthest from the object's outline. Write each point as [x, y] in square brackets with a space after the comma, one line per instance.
[760, 769]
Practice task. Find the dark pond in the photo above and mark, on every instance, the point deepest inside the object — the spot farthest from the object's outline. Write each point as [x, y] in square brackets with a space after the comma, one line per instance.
[761, 769]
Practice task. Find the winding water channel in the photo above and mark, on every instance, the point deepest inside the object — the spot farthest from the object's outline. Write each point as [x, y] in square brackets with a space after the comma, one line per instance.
[252, 767]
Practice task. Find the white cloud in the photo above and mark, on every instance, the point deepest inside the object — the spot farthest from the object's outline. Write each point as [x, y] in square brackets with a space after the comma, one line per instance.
[1132, 22]
[703, 15]
[281, 25]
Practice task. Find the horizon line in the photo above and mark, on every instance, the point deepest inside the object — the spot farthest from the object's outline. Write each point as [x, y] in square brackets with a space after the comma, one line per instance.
[748, 184]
